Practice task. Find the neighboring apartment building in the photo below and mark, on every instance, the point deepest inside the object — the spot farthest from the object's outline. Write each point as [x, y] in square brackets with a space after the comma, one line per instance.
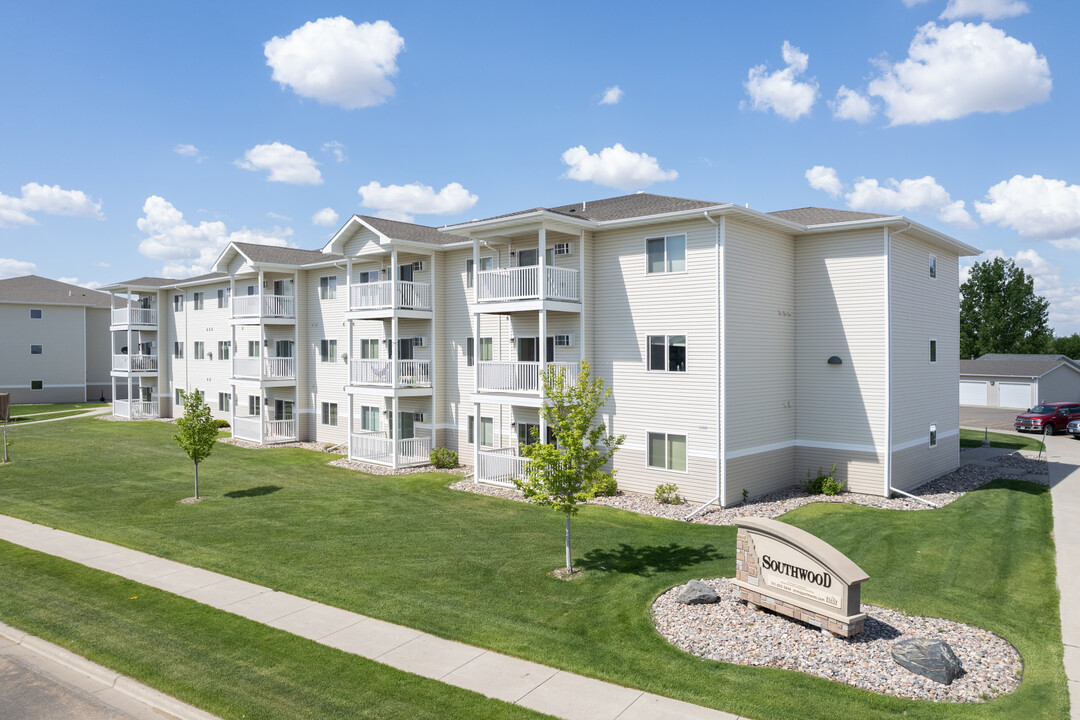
[744, 348]
[53, 341]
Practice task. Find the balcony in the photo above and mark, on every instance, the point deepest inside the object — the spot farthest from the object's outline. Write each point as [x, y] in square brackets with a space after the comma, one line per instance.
[264, 368]
[517, 377]
[135, 363]
[375, 446]
[410, 373]
[264, 306]
[144, 317]
[135, 410]
[500, 467]
[523, 283]
[380, 296]
[274, 431]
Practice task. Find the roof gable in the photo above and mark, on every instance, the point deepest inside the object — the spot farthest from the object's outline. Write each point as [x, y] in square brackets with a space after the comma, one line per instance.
[36, 289]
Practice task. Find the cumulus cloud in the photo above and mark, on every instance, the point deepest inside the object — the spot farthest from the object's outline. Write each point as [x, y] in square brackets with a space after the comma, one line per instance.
[189, 151]
[988, 9]
[779, 91]
[10, 267]
[851, 105]
[612, 96]
[326, 216]
[922, 195]
[401, 202]
[824, 178]
[961, 69]
[615, 167]
[89, 285]
[336, 61]
[188, 249]
[48, 199]
[1036, 207]
[285, 163]
[335, 147]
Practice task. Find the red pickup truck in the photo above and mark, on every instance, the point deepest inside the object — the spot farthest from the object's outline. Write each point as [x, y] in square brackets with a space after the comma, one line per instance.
[1048, 417]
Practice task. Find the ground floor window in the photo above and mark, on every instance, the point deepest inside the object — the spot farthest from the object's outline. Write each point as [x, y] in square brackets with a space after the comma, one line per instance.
[37, 384]
[471, 429]
[667, 452]
[283, 409]
[224, 402]
[254, 405]
[369, 418]
[487, 432]
[933, 435]
[329, 414]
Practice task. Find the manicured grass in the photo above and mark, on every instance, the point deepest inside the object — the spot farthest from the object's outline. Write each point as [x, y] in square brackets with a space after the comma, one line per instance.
[17, 410]
[46, 416]
[232, 667]
[473, 568]
[974, 438]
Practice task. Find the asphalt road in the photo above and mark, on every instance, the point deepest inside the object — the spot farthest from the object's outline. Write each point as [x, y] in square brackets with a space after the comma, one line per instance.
[30, 694]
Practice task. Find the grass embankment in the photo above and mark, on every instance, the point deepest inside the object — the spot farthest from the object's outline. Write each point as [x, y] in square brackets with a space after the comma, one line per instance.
[408, 550]
[974, 438]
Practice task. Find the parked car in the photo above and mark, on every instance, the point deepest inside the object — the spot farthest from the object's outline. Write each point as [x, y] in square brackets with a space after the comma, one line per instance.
[1048, 417]
[1074, 429]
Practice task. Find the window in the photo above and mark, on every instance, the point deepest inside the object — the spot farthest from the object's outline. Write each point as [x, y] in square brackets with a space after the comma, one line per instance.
[562, 248]
[486, 348]
[179, 396]
[251, 290]
[367, 276]
[933, 435]
[35, 313]
[933, 266]
[177, 302]
[254, 405]
[933, 350]
[667, 352]
[224, 402]
[369, 418]
[223, 349]
[178, 350]
[329, 414]
[667, 452]
[200, 350]
[369, 348]
[665, 254]
[35, 349]
[223, 297]
[471, 429]
[253, 348]
[487, 432]
[146, 394]
[470, 353]
[37, 385]
[284, 348]
[328, 351]
[328, 287]
[197, 300]
[469, 273]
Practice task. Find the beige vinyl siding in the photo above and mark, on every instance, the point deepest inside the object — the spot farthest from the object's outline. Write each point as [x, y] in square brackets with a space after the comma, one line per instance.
[208, 326]
[1060, 385]
[62, 365]
[840, 292]
[629, 305]
[323, 382]
[923, 392]
[98, 350]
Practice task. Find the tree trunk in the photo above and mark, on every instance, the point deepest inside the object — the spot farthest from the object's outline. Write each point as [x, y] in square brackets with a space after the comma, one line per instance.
[568, 568]
[196, 481]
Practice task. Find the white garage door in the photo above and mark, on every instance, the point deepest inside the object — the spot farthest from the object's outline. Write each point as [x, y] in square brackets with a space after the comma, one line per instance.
[1014, 395]
[973, 393]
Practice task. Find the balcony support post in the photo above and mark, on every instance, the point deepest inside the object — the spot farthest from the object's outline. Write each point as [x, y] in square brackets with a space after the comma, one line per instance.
[232, 298]
[395, 431]
[475, 270]
[350, 356]
[476, 442]
[232, 406]
[395, 286]
[541, 261]
[395, 350]
[128, 356]
[348, 425]
[434, 355]
[348, 285]
[544, 360]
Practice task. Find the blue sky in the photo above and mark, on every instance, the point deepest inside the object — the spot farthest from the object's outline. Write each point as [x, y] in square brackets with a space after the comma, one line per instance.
[139, 138]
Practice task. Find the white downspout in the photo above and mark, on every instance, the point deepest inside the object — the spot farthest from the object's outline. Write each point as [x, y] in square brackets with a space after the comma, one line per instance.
[888, 364]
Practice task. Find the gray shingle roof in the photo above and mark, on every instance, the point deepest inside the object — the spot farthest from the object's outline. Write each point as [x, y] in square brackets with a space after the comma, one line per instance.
[1014, 365]
[823, 216]
[619, 208]
[397, 230]
[145, 282]
[35, 289]
[275, 255]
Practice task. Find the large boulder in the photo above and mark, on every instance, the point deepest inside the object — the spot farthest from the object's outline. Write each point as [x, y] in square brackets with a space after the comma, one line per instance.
[930, 658]
[696, 592]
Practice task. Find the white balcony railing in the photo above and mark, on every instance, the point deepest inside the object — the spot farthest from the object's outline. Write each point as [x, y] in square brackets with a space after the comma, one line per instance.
[376, 447]
[523, 283]
[270, 306]
[134, 316]
[517, 377]
[135, 363]
[280, 430]
[410, 373]
[267, 368]
[380, 295]
[500, 467]
[246, 428]
[137, 410]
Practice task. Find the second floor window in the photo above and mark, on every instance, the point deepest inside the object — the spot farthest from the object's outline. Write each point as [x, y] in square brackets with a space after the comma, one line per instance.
[197, 300]
[665, 254]
[200, 350]
[369, 349]
[328, 287]
[223, 297]
[328, 351]
[253, 348]
[667, 352]
[178, 350]
[223, 349]
[178, 302]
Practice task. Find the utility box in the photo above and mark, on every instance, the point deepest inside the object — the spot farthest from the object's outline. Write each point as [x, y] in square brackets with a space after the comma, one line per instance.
[5, 407]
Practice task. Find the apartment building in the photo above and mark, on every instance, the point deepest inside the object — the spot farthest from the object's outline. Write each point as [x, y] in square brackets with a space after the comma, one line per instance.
[744, 348]
[53, 341]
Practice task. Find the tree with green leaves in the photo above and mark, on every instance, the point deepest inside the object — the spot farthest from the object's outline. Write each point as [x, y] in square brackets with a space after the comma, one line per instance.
[197, 431]
[1000, 312]
[1068, 346]
[558, 475]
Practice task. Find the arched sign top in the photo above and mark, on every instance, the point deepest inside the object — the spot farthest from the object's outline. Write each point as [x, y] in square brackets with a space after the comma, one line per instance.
[828, 556]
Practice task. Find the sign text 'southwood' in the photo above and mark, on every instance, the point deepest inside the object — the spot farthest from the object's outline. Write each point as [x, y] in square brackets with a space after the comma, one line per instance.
[789, 571]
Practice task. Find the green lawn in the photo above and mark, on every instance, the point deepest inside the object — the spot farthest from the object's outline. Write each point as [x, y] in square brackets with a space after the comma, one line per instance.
[46, 416]
[17, 410]
[974, 438]
[472, 568]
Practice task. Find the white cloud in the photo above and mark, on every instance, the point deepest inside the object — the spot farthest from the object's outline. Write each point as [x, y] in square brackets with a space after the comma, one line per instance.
[961, 69]
[988, 9]
[189, 151]
[102, 264]
[923, 195]
[401, 202]
[285, 163]
[326, 216]
[612, 95]
[780, 91]
[337, 148]
[1036, 207]
[824, 178]
[90, 284]
[336, 61]
[913, 3]
[615, 167]
[189, 249]
[48, 199]
[278, 216]
[10, 267]
[851, 105]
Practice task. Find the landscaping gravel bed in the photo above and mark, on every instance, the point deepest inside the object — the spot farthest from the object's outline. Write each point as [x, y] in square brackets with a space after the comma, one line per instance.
[317, 446]
[384, 470]
[731, 632]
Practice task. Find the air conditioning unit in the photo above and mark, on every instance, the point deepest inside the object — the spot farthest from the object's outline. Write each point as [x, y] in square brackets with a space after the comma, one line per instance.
[564, 341]
[562, 248]
[418, 341]
[418, 265]
[418, 417]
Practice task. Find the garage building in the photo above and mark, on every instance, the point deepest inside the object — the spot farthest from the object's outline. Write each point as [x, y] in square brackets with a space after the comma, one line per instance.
[1018, 381]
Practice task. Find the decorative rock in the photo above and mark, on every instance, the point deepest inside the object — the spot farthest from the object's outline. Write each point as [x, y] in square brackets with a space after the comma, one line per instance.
[932, 659]
[696, 592]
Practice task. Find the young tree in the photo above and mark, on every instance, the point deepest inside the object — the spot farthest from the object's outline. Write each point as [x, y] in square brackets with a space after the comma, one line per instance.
[1000, 312]
[558, 475]
[197, 433]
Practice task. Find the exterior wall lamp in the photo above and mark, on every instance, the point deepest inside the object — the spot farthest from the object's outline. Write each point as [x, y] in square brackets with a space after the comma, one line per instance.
[835, 360]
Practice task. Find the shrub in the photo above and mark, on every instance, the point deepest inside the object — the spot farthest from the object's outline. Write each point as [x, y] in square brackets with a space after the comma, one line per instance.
[220, 423]
[443, 458]
[824, 483]
[602, 484]
[831, 486]
[668, 494]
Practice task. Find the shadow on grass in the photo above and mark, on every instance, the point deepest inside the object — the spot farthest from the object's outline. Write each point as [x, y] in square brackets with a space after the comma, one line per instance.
[253, 492]
[648, 559]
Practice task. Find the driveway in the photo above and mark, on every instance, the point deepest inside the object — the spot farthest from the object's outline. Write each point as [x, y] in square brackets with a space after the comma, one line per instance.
[996, 419]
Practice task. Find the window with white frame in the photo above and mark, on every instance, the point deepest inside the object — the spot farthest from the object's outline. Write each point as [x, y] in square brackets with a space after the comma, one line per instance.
[369, 418]
[328, 351]
[35, 313]
[224, 402]
[223, 297]
[328, 287]
[283, 348]
[470, 352]
[223, 348]
[178, 302]
[667, 451]
[254, 348]
[179, 396]
[933, 266]
[369, 348]
[487, 432]
[469, 273]
[667, 352]
[178, 350]
[933, 350]
[197, 300]
[486, 350]
[366, 276]
[665, 254]
[471, 432]
[37, 384]
[329, 414]
[933, 435]
[254, 405]
[200, 350]
[35, 349]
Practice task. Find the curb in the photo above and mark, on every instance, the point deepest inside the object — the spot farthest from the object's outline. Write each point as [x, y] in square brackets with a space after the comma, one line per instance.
[154, 699]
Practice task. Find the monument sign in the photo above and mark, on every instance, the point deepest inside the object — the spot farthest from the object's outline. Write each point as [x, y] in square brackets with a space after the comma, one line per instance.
[791, 572]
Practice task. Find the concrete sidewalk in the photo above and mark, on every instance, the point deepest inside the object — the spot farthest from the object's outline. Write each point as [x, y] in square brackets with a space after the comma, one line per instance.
[538, 687]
